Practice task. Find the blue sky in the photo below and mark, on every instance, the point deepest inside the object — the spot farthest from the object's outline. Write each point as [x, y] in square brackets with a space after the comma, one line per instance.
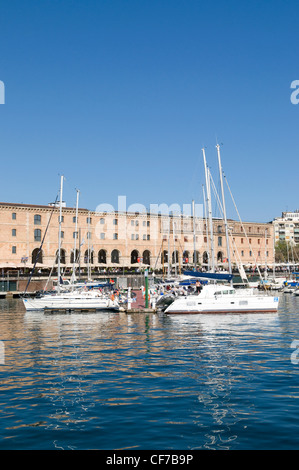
[121, 95]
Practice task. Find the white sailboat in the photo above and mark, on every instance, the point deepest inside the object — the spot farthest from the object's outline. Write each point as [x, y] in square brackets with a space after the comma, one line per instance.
[75, 299]
[222, 299]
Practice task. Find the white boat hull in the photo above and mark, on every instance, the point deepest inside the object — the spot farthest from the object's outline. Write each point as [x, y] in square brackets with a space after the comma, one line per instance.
[221, 305]
[69, 303]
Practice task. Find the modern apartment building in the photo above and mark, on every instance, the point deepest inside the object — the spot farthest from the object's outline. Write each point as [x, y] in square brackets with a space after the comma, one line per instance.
[286, 227]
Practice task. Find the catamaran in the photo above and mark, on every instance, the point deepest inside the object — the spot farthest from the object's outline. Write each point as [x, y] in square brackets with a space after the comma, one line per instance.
[223, 298]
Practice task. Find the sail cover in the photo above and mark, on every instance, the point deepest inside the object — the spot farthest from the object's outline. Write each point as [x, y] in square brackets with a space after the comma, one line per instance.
[213, 276]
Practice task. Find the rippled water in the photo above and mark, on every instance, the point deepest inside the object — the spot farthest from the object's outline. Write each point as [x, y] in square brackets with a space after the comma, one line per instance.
[118, 381]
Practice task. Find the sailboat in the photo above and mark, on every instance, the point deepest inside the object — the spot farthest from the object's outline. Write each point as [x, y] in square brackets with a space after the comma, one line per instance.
[221, 298]
[75, 299]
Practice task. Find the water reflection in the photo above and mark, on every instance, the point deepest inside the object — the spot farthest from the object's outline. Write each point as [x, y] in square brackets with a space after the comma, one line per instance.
[111, 381]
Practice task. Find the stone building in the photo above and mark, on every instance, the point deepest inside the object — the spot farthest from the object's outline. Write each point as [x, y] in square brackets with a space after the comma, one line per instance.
[124, 239]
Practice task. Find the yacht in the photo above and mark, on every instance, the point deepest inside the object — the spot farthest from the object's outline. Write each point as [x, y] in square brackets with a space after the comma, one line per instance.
[220, 298]
[76, 300]
[215, 298]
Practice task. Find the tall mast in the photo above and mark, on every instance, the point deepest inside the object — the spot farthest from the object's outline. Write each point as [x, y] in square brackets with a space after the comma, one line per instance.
[224, 210]
[175, 258]
[76, 236]
[59, 234]
[266, 273]
[168, 256]
[194, 236]
[88, 249]
[206, 222]
[208, 186]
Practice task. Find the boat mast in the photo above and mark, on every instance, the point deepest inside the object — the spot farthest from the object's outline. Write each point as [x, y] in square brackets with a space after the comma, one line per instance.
[173, 235]
[168, 256]
[206, 222]
[208, 186]
[194, 235]
[59, 234]
[88, 248]
[75, 240]
[266, 273]
[224, 210]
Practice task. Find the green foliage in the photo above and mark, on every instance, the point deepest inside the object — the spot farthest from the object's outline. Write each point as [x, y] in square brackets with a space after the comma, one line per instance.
[285, 251]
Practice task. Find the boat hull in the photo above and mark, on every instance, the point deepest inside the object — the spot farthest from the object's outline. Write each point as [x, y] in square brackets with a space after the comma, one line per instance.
[252, 304]
[52, 302]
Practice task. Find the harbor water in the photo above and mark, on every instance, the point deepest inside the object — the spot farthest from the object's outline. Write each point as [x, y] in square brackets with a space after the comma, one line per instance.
[149, 381]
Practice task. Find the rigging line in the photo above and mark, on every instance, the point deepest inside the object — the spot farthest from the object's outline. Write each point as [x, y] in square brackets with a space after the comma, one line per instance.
[40, 248]
[242, 225]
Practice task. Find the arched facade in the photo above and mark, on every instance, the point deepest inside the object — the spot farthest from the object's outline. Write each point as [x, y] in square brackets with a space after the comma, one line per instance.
[134, 256]
[102, 257]
[62, 256]
[36, 256]
[146, 257]
[115, 256]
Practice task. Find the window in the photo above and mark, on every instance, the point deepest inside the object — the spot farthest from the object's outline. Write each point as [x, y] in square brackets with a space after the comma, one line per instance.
[242, 253]
[13, 216]
[219, 241]
[75, 234]
[37, 219]
[148, 237]
[242, 240]
[148, 223]
[144, 237]
[250, 253]
[62, 234]
[37, 235]
[75, 219]
[102, 221]
[114, 221]
[132, 236]
[14, 249]
[144, 223]
[115, 236]
[88, 235]
[88, 220]
[137, 236]
[62, 218]
[14, 232]
[102, 236]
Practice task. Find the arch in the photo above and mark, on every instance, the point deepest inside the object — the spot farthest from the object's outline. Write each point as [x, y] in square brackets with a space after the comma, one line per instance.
[115, 256]
[88, 254]
[175, 256]
[164, 257]
[196, 257]
[35, 257]
[62, 256]
[146, 256]
[72, 260]
[219, 257]
[186, 257]
[134, 256]
[102, 257]
[205, 258]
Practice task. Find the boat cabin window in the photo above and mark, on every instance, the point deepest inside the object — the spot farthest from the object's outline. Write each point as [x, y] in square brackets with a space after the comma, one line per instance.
[225, 292]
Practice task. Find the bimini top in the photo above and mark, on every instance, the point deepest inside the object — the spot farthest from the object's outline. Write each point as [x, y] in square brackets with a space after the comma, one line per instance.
[213, 276]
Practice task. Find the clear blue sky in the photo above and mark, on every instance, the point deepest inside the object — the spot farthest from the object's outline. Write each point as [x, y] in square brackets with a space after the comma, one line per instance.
[121, 95]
